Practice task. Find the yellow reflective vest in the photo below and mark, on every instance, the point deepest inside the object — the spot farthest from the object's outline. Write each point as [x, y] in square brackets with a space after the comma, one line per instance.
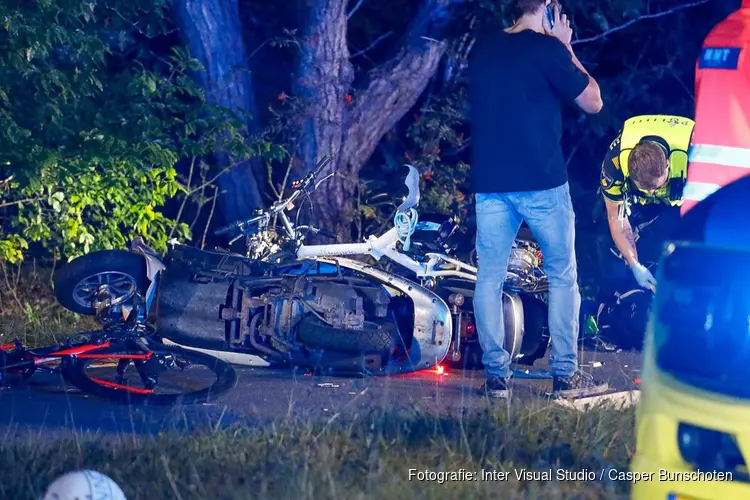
[676, 131]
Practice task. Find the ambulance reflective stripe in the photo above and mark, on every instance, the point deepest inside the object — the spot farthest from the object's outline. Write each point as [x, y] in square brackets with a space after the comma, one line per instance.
[698, 191]
[713, 163]
[719, 155]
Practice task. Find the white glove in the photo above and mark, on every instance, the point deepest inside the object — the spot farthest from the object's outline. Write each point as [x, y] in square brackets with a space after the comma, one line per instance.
[643, 276]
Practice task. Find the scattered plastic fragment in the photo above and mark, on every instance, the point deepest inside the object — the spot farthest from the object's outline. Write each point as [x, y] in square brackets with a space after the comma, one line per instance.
[328, 384]
[596, 364]
[528, 374]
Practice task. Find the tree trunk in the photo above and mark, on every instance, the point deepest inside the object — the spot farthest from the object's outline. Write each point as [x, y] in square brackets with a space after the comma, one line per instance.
[350, 128]
[213, 32]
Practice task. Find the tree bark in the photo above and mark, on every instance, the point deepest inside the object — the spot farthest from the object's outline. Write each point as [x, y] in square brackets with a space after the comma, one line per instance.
[349, 129]
[213, 32]
[323, 80]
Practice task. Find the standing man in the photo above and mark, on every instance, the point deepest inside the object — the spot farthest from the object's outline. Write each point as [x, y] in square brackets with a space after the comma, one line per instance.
[519, 79]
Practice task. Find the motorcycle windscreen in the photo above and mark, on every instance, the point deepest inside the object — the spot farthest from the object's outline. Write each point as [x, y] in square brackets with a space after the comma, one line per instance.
[702, 319]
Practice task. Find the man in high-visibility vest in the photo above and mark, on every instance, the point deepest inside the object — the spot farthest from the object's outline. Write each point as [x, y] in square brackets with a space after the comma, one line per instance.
[720, 149]
[645, 171]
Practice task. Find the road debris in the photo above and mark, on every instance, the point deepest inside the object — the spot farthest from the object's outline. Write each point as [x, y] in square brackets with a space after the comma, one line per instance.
[615, 400]
[328, 384]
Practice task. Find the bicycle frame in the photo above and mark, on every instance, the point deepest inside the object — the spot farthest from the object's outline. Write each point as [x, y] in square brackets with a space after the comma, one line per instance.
[30, 359]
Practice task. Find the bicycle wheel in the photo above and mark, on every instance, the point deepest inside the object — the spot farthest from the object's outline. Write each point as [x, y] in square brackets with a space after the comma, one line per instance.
[125, 376]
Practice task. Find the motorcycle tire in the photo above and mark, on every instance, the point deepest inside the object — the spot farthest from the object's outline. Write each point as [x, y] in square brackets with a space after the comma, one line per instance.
[377, 336]
[125, 265]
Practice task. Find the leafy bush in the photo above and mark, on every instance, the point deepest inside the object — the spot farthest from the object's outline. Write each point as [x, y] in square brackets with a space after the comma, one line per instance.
[92, 126]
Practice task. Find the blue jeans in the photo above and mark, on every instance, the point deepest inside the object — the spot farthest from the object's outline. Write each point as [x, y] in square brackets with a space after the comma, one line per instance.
[549, 215]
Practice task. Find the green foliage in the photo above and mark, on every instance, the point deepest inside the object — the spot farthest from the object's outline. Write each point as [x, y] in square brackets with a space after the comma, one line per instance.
[437, 141]
[92, 126]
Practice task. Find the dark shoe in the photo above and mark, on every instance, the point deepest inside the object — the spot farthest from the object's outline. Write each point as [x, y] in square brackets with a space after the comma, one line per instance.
[495, 388]
[580, 384]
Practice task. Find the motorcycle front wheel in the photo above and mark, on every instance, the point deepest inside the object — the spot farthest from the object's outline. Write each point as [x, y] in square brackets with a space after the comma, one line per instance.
[77, 282]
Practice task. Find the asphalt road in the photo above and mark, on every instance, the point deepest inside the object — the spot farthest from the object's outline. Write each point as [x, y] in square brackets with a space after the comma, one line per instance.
[264, 394]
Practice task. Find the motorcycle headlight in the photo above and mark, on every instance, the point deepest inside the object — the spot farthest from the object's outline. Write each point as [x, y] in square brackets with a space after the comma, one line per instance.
[456, 299]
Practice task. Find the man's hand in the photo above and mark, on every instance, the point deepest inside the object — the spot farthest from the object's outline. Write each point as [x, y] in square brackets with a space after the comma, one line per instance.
[562, 29]
[643, 276]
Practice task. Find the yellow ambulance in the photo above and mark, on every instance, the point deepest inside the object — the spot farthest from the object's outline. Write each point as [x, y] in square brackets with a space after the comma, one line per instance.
[693, 417]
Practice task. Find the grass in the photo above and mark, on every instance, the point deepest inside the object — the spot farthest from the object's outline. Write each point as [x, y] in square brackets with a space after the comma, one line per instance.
[28, 309]
[368, 456]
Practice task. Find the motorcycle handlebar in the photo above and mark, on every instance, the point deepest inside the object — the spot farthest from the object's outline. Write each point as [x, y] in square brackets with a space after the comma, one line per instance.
[236, 225]
[277, 207]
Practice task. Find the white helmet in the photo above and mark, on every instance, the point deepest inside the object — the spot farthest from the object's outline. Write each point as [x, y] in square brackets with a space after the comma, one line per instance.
[83, 485]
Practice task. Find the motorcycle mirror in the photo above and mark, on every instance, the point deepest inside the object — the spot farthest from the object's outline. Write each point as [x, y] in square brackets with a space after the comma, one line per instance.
[412, 183]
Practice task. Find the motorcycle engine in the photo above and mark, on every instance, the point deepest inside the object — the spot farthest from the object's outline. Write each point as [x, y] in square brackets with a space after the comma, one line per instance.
[341, 306]
[524, 260]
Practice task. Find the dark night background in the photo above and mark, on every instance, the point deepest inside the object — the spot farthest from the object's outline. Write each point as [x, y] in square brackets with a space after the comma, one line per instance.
[105, 132]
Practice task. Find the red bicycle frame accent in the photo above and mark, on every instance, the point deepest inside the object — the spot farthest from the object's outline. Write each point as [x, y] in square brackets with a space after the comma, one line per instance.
[81, 352]
[123, 387]
[78, 349]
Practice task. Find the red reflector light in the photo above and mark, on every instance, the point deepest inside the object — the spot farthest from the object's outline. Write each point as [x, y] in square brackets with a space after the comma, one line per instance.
[440, 370]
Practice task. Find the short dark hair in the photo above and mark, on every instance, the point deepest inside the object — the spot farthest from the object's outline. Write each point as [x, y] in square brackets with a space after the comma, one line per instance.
[523, 7]
[647, 164]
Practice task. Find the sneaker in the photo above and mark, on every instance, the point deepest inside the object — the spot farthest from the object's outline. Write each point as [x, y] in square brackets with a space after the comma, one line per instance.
[495, 388]
[579, 384]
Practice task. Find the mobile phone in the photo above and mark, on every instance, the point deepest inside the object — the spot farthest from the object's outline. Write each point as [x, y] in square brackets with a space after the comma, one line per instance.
[550, 13]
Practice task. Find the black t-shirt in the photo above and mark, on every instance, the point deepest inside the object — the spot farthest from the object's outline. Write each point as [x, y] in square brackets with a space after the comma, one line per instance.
[518, 83]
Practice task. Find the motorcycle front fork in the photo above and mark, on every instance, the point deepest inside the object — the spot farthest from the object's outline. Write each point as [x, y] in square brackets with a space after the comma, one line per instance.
[455, 349]
[454, 352]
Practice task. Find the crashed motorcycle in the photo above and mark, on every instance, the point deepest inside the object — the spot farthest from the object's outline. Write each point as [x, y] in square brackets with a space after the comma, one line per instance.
[280, 301]
[424, 248]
